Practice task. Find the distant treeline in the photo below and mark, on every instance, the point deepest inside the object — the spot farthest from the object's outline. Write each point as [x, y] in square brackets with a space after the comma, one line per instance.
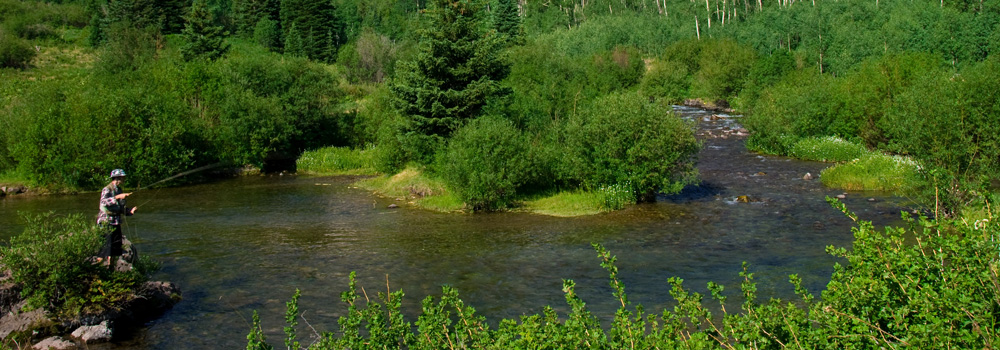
[301, 74]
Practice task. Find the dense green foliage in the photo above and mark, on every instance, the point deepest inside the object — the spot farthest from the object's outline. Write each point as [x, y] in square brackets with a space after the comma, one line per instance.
[911, 78]
[487, 160]
[624, 140]
[204, 38]
[50, 260]
[929, 285]
[161, 119]
[905, 104]
[455, 73]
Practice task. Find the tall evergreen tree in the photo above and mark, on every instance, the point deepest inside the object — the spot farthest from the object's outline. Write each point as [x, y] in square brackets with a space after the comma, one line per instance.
[506, 20]
[98, 10]
[294, 45]
[315, 21]
[204, 38]
[456, 72]
[247, 13]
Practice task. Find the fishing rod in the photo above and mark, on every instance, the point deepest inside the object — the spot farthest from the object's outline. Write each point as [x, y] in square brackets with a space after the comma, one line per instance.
[125, 223]
[189, 172]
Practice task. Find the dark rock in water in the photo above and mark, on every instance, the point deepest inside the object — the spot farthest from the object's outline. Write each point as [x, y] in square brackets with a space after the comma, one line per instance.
[57, 343]
[393, 206]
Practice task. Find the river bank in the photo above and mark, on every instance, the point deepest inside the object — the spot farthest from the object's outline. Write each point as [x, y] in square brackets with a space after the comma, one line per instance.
[247, 243]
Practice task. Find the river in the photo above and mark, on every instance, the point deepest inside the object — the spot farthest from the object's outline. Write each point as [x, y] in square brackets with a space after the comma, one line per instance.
[246, 244]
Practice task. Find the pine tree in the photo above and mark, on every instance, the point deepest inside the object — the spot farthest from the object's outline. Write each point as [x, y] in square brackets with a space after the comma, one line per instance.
[204, 39]
[456, 72]
[98, 10]
[506, 20]
[294, 45]
[313, 20]
[247, 13]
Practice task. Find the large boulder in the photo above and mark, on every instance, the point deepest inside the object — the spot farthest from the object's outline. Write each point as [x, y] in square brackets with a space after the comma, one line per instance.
[20, 320]
[94, 334]
[54, 343]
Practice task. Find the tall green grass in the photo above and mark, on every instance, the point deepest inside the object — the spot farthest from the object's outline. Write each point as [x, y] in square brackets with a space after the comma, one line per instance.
[337, 161]
[827, 149]
[878, 172]
[415, 187]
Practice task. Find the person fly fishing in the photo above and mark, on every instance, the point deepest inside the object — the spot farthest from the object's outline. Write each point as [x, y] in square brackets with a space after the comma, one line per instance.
[112, 208]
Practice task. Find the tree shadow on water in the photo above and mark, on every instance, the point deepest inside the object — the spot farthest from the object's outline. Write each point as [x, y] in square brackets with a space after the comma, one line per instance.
[697, 192]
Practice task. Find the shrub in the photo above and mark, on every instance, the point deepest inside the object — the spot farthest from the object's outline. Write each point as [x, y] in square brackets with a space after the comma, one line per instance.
[271, 107]
[485, 163]
[50, 260]
[371, 58]
[722, 67]
[667, 80]
[14, 52]
[948, 123]
[614, 70]
[267, 34]
[621, 139]
[789, 110]
[547, 85]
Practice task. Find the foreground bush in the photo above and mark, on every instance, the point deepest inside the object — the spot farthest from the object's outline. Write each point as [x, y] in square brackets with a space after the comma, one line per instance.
[931, 285]
[51, 261]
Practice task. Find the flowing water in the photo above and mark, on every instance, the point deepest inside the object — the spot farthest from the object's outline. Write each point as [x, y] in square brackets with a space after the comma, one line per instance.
[246, 244]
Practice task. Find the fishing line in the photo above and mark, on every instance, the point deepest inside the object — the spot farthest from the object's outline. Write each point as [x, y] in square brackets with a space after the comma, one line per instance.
[189, 172]
[134, 233]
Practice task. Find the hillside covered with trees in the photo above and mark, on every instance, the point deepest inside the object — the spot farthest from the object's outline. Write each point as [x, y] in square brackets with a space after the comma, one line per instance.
[166, 86]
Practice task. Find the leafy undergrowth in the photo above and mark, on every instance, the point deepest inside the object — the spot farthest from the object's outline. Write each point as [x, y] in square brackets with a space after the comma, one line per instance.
[932, 284]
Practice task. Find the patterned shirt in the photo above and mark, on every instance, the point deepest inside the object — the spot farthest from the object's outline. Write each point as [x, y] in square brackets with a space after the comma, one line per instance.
[111, 208]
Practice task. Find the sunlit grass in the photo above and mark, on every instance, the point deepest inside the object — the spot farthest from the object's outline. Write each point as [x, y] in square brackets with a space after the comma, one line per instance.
[13, 178]
[337, 161]
[415, 187]
[567, 204]
[826, 149]
[580, 202]
[878, 172]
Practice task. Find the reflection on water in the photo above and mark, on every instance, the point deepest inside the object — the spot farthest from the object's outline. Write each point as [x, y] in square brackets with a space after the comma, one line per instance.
[247, 244]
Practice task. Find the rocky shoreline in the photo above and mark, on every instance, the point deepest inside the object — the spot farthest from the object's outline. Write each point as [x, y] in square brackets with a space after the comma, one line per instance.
[10, 190]
[39, 327]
